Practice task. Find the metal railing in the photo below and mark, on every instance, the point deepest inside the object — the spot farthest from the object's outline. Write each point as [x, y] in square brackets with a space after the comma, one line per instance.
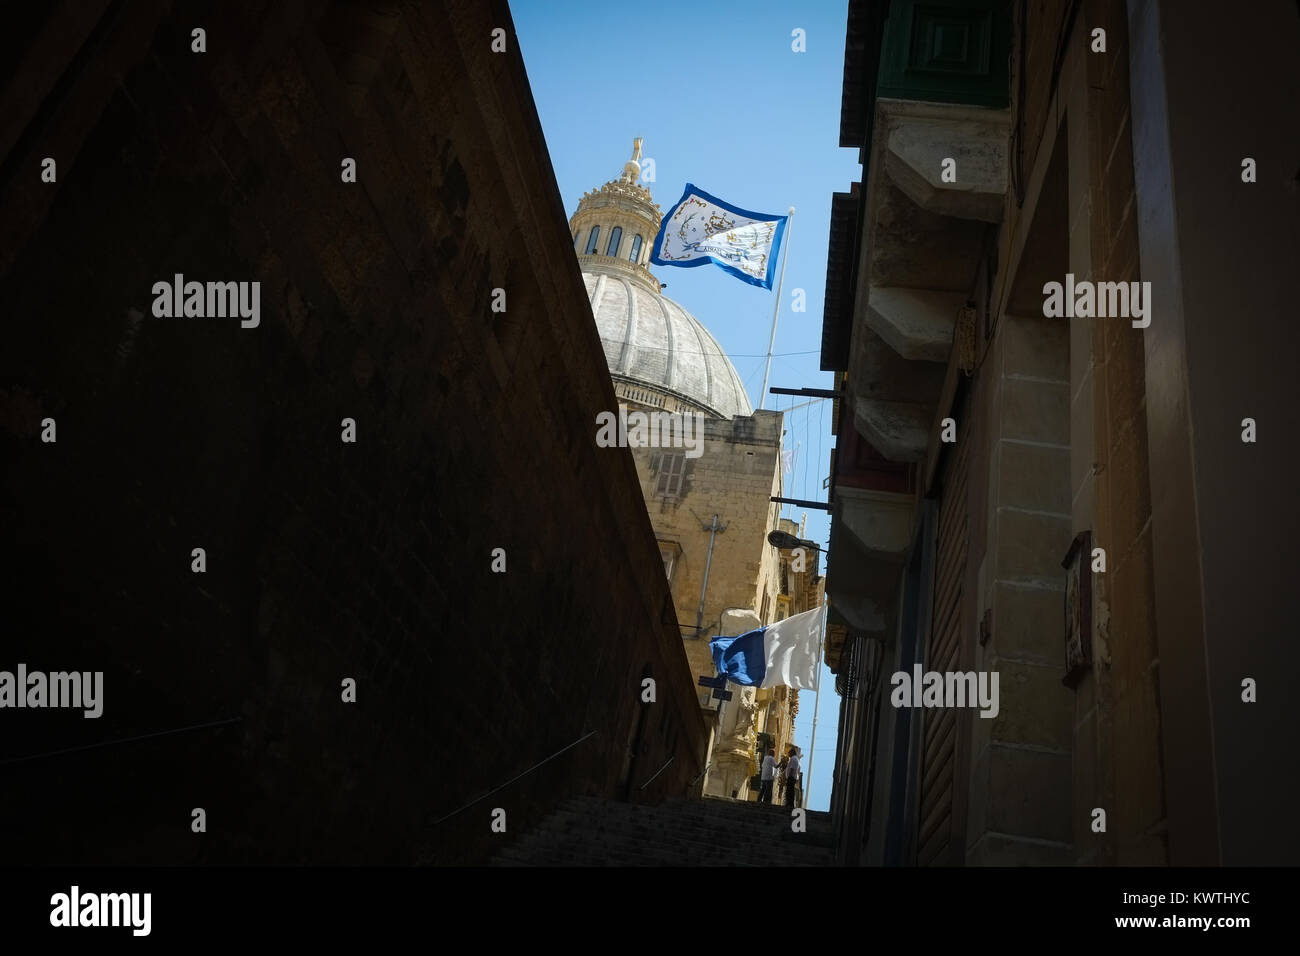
[657, 773]
[514, 778]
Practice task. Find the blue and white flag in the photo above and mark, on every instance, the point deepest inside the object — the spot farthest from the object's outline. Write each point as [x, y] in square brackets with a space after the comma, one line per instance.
[701, 229]
[784, 653]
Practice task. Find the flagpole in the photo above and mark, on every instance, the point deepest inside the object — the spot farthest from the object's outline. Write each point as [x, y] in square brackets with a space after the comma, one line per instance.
[776, 310]
[812, 744]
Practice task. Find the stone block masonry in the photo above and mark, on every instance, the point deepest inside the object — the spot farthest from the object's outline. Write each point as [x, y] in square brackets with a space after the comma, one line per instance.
[325, 560]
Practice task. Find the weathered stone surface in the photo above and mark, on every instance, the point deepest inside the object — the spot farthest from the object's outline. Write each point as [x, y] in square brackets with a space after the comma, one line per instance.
[1035, 411]
[914, 247]
[898, 430]
[916, 323]
[1033, 477]
[1036, 347]
[1029, 793]
[1030, 547]
[864, 589]
[1034, 705]
[881, 521]
[919, 145]
[1028, 623]
[877, 371]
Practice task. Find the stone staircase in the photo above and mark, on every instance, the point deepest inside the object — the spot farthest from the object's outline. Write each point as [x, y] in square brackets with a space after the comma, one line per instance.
[589, 831]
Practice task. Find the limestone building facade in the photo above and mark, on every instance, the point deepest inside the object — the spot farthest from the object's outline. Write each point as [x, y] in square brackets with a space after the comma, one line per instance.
[985, 444]
[711, 505]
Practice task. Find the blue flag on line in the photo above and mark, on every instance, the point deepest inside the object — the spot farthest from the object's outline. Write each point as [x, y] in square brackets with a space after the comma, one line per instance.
[701, 229]
[784, 653]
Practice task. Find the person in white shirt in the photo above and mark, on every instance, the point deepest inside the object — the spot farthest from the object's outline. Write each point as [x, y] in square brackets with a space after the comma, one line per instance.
[769, 773]
[791, 777]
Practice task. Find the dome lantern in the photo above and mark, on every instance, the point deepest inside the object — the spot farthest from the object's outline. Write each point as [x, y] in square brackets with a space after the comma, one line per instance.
[659, 355]
[615, 225]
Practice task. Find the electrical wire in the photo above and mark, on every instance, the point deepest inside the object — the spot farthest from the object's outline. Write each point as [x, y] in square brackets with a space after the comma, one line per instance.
[821, 429]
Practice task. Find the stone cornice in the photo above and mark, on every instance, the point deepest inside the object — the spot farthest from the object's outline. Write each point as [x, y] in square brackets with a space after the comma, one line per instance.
[596, 263]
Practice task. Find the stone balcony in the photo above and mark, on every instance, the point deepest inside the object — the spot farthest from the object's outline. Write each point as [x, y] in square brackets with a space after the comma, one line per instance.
[880, 521]
[914, 243]
[864, 588]
[919, 250]
[923, 135]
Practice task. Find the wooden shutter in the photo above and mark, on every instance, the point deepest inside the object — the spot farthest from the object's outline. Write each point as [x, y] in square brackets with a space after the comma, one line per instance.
[671, 469]
[942, 653]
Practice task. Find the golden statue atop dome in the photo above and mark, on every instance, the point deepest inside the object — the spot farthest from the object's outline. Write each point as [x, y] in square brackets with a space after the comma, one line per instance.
[632, 168]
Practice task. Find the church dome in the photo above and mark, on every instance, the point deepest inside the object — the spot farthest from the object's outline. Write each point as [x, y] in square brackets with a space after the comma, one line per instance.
[659, 354]
[652, 341]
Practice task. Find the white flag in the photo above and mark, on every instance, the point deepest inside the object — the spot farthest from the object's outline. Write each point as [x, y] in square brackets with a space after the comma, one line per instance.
[701, 229]
[781, 654]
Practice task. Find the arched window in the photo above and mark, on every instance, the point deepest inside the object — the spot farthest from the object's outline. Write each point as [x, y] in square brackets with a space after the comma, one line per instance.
[591, 240]
[615, 238]
[635, 254]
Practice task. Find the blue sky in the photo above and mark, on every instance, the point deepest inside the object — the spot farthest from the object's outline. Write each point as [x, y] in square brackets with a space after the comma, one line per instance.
[722, 101]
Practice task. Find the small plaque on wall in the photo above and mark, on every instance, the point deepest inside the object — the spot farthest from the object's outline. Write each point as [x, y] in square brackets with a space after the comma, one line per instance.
[1078, 608]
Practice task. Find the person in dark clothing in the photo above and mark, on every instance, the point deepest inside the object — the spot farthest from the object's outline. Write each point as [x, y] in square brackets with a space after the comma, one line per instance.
[791, 777]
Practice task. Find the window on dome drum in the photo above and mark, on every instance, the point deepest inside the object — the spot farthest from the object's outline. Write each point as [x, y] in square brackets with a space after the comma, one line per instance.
[615, 238]
[591, 240]
[671, 470]
[636, 249]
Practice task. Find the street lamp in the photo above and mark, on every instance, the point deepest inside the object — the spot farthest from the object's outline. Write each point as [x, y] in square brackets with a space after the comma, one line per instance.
[783, 539]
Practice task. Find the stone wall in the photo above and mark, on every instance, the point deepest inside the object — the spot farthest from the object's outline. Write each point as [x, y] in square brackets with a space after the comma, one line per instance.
[1220, 252]
[1064, 401]
[1139, 435]
[1021, 758]
[1117, 711]
[325, 560]
[1085, 466]
[734, 477]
